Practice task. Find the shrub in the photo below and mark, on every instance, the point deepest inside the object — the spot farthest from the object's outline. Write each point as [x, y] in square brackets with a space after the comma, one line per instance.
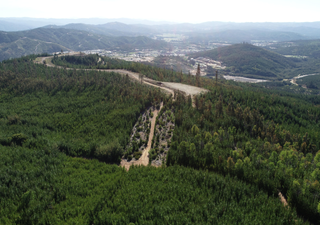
[110, 152]
[137, 155]
[18, 138]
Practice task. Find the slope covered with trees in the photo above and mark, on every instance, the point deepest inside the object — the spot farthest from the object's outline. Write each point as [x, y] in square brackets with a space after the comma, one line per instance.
[249, 60]
[269, 140]
[82, 113]
[46, 187]
[242, 146]
[309, 48]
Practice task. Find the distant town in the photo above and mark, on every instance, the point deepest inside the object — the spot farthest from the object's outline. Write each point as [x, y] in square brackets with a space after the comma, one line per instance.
[148, 55]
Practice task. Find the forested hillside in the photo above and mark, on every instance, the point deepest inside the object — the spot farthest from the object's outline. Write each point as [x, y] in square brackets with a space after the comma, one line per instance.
[82, 113]
[153, 72]
[228, 157]
[309, 48]
[269, 140]
[40, 40]
[265, 137]
[250, 61]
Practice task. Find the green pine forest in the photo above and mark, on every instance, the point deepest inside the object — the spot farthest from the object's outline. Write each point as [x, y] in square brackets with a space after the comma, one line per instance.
[64, 131]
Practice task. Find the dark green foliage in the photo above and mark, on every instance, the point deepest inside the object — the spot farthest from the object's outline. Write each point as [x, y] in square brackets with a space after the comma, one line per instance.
[137, 155]
[86, 114]
[234, 132]
[311, 82]
[178, 195]
[28, 184]
[267, 140]
[91, 61]
[45, 187]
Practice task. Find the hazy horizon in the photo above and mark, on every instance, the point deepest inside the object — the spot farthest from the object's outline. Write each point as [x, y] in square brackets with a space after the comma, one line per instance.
[168, 11]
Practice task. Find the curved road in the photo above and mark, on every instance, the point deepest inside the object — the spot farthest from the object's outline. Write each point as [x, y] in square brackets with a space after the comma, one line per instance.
[168, 87]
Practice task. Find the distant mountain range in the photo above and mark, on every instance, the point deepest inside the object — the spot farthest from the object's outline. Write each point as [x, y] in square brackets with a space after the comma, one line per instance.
[310, 30]
[236, 36]
[110, 29]
[16, 44]
[10, 26]
[25, 23]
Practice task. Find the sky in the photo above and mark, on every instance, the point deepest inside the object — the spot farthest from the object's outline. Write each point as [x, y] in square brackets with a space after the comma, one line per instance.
[168, 10]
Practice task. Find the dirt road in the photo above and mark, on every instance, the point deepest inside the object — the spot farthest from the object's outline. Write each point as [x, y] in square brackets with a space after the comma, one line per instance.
[168, 87]
[294, 80]
[144, 159]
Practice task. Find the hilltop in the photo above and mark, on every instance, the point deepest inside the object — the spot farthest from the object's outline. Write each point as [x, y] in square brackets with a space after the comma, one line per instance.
[249, 60]
[15, 44]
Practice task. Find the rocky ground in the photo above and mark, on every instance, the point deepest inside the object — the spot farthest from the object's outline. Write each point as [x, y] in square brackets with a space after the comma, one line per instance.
[139, 136]
[162, 137]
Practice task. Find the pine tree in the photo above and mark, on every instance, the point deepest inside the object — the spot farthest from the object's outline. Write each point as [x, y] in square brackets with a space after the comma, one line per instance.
[198, 76]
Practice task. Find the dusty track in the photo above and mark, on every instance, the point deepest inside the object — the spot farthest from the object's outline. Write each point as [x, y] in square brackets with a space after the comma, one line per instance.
[168, 87]
[144, 159]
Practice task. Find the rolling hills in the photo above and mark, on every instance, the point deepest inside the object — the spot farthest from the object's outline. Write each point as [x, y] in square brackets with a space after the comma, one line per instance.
[249, 60]
[236, 36]
[110, 29]
[310, 48]
[16, 44]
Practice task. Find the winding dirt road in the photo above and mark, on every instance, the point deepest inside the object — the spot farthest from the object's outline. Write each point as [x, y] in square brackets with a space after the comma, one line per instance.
[168, 87]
